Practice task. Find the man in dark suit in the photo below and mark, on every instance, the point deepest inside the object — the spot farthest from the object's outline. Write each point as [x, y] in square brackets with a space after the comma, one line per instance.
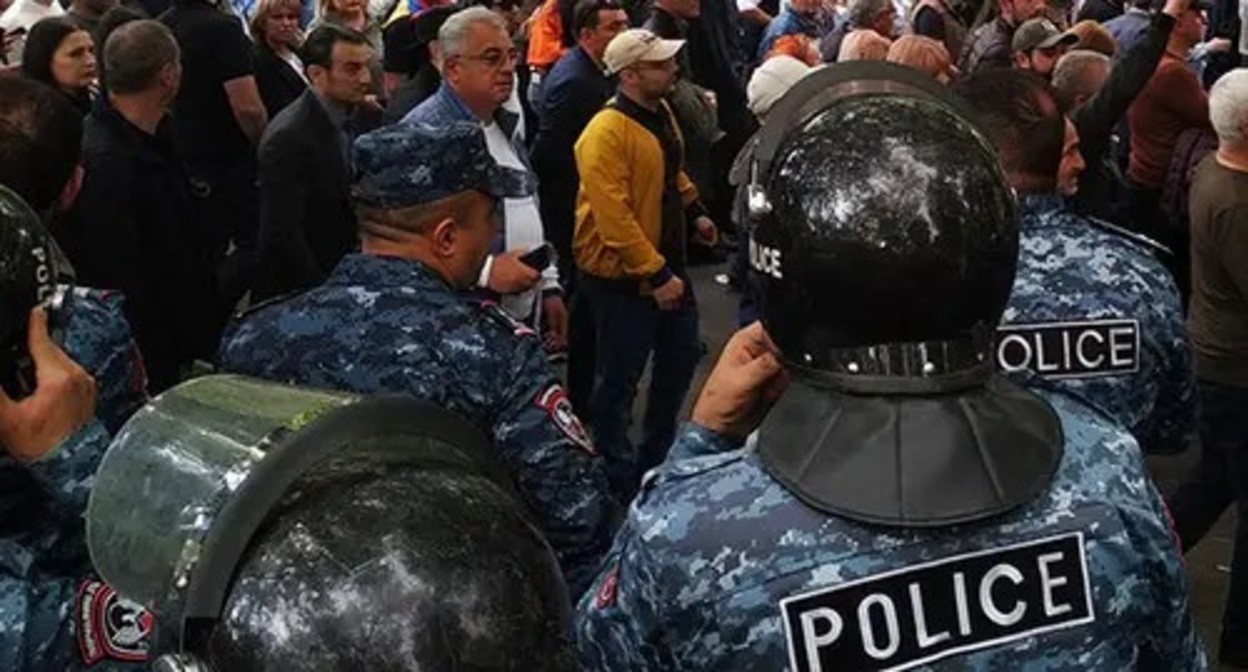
[306, 220]
[574, 90]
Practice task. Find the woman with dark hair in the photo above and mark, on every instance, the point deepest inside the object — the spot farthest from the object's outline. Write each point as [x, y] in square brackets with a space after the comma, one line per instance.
[62, 56]
[279, 71]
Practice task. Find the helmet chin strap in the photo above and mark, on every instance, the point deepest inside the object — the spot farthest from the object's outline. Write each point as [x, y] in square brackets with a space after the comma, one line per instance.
[919, 368]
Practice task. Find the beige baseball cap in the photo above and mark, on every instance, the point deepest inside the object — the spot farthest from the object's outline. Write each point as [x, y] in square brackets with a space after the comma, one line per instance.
[638, 45]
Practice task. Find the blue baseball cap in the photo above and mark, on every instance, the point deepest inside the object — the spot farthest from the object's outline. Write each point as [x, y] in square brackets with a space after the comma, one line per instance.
[408, 164]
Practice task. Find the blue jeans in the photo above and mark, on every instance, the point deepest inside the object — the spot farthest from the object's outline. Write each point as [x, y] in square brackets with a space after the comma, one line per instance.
[629, 328]
[1218, 481]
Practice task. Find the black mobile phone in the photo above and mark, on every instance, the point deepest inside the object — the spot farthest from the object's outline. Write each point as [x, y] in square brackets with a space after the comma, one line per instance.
[17, 368]
[539, 257]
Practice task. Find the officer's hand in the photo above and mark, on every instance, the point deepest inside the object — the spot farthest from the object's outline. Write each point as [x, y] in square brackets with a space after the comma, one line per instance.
[705, 232]
[669, 294]
[556, 317]
[63, 400]
[509, 275]
[746, 381]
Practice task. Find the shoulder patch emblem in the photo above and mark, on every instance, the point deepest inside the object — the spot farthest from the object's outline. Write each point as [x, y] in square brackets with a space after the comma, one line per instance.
[608, 590]
[110, 626]
[554, 400]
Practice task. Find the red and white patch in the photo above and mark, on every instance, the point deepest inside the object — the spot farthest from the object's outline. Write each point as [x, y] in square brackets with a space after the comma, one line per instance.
[554, 400]
[110, 626]
[608, 590]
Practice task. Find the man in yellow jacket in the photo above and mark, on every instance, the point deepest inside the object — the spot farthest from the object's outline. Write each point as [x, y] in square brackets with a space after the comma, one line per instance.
[635, 211]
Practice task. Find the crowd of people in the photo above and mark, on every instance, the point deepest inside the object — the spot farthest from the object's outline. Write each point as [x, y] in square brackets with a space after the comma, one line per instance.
[448, 200]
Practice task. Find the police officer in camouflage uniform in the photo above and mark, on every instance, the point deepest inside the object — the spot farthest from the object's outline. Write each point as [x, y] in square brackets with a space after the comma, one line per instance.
[1092, 307]
[393, 319]
[905, 506]
[53, 611]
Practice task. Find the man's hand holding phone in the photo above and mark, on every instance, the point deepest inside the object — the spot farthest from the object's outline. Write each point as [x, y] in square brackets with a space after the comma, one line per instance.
[62, 402]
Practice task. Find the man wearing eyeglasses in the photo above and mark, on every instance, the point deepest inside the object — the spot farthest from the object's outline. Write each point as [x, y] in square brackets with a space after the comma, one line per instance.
[477, 59]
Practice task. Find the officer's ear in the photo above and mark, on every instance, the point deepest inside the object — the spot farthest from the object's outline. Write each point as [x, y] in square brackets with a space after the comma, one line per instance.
[445, 236]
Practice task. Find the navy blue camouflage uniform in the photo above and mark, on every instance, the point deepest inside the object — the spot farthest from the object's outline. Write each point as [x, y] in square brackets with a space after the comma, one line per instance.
[388, 324]
[384, 324]
[52, 609]
[713, 544]
[1113, 292]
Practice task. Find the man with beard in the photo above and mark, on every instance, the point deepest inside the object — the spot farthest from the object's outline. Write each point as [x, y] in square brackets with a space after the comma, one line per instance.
[635, 210]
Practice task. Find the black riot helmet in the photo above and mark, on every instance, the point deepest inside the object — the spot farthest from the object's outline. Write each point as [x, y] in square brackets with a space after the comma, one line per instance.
[28, 277]
[883, 244]
[884, 219]
[286, 529]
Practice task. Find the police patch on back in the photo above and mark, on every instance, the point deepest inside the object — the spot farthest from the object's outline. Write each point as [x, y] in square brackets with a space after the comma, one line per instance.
[1086, 349]
[901, 619]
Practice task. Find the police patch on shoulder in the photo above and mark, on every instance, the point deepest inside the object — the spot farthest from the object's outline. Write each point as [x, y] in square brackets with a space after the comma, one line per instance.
[912, 616]
[499, 313]
[1085, 349]
[608, 590]
[554, 400]
[110, 626]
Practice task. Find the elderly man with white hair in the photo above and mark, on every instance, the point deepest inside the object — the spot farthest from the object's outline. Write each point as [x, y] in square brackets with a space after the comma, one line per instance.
[1218, 323]
[477, 60]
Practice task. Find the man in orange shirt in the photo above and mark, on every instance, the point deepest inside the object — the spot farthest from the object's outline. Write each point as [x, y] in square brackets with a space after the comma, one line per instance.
[546, 45]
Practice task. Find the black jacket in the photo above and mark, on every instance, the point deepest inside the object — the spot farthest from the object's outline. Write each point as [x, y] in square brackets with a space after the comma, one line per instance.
[133, 229]
[988, 46]
[279, 84]
[1101, 187]
[306, 220]
[574, 91]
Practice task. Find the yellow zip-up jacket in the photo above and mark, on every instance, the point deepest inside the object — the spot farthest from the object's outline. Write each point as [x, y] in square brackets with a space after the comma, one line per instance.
[619, 205]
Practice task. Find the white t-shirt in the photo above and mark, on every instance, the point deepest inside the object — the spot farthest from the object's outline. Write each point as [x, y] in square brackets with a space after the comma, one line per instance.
[523, 224]
[24, 14]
